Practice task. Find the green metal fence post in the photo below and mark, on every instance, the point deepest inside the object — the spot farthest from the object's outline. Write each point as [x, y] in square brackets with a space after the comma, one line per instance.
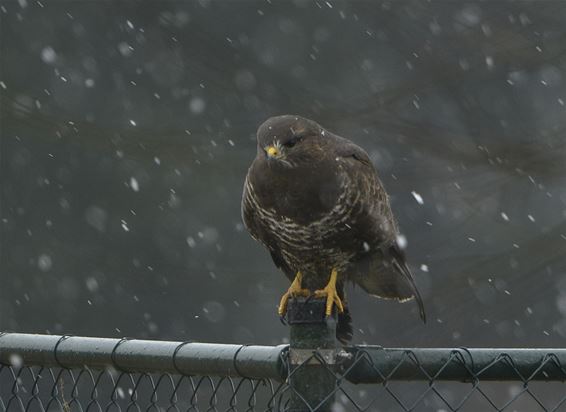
[312, 355]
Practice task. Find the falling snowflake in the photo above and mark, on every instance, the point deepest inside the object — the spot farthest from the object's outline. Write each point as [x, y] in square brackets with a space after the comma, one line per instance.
[197, 105]
[48, 55]
[402, 241]
[418, 197]
[134, 184]
[44, 262]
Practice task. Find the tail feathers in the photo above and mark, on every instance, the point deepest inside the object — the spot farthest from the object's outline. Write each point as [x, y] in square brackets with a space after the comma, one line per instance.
[389, 277]
[344, 329]
[402, 268]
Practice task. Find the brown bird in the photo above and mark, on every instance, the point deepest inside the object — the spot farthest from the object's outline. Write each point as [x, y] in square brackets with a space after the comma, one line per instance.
[314, 200]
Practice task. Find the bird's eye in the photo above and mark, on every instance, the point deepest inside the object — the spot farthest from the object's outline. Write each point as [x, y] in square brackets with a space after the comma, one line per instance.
[293, 141]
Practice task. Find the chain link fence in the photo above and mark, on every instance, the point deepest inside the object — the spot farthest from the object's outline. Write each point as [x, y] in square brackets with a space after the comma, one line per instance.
[67, 373]
[56, 389]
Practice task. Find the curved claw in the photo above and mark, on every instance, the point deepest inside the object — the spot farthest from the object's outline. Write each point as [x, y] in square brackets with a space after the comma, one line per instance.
[282, 309]
[294, 290]
[331, 295]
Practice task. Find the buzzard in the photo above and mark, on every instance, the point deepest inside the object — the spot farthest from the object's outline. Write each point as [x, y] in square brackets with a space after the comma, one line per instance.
[314, 200]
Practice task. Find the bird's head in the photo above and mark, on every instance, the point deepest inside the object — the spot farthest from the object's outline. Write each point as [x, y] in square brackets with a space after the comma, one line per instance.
[288, 140]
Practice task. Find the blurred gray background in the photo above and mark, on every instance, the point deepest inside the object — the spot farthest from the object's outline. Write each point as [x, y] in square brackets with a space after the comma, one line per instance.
[127, 129]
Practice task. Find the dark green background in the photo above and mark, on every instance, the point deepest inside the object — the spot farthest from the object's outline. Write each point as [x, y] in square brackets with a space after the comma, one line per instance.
[462, 103]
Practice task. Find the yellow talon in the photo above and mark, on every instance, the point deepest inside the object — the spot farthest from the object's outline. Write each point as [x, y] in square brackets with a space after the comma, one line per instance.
[294, 290]
[332, 297]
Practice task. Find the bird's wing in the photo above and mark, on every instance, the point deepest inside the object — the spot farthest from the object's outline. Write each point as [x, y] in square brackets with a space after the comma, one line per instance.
[382, 272]
[281, 264]
[375, 219]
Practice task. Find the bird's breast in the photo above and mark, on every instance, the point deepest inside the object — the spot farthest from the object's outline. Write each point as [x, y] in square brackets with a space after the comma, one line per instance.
[301, 195]
[308, 227]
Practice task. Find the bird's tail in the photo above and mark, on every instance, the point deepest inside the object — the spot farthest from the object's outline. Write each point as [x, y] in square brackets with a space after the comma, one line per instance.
[344, 330]
[400, 265]
[388, 276]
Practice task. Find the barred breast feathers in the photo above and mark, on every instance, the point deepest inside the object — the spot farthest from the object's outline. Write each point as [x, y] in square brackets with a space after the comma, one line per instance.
[296, 236]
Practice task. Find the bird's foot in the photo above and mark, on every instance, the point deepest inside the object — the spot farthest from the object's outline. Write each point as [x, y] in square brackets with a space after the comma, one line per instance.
[331, 294]
[295, 290]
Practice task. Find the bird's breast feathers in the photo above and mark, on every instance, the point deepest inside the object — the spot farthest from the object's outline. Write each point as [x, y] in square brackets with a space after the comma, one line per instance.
[305, 218]
[303, 195]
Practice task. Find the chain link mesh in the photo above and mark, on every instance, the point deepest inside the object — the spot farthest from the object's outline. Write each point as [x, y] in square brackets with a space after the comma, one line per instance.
[426, 391]
[407, 384]
[39, 388]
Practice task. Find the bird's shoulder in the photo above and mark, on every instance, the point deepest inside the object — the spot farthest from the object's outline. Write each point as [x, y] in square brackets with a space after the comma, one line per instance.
[348, 150]
[356, 164]
[366, 188]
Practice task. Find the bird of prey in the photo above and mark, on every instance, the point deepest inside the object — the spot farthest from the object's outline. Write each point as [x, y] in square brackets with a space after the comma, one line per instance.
[314, 200]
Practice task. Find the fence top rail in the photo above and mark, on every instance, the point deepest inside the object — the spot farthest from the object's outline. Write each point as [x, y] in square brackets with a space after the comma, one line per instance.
[374, 364]
[358, 364]
[145, 356]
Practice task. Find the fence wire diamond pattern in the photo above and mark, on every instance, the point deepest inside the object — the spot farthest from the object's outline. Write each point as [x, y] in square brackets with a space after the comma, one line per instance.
[47, 389]
[38, 378]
